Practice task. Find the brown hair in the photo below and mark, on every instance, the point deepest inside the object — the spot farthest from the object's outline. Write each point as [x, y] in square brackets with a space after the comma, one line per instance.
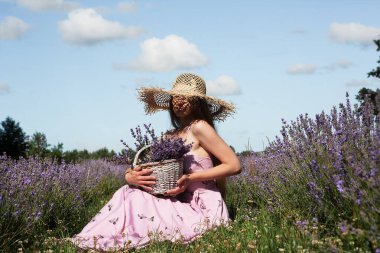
[200, 111]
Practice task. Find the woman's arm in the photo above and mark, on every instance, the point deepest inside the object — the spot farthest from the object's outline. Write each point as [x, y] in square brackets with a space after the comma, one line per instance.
[214, 144]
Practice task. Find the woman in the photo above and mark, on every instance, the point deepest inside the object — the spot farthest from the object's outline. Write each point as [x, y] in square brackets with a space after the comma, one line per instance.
[133, 217]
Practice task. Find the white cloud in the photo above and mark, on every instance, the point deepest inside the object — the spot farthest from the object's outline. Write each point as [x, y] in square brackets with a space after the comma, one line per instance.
[309, 69]
[4, 88]
[170, 53]
[354, 33]
[363, 83]
[87, 27]
[223, 85]
[297, 69]
[103, 10]
[42, 5]
[126, 6]
[12, 28]
[341, 64]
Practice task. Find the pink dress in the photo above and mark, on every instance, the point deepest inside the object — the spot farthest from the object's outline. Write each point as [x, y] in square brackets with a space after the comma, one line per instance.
[132, 218]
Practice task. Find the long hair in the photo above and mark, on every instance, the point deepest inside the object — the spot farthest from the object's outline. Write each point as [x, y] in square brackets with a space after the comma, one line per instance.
[200, 111]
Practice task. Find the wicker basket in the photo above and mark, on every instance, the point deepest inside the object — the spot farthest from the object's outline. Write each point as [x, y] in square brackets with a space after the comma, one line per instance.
[166, 172]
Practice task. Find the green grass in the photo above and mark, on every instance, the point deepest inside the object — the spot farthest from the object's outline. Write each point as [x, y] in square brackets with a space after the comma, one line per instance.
[253, 229]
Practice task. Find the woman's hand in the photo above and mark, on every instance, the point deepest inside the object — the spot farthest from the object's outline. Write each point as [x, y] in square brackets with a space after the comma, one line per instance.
[182, 183]
[141, 177]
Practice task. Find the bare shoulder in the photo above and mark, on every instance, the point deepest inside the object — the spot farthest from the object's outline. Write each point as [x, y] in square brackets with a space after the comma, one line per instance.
[201, 127]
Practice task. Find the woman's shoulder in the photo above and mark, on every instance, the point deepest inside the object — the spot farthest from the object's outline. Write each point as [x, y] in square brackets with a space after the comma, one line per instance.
[200, 126]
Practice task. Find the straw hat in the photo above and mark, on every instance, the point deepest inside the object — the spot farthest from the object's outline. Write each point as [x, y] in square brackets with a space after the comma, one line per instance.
[188, 85]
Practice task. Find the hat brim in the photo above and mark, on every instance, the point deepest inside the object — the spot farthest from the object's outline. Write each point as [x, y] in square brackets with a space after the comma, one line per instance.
[157, 99]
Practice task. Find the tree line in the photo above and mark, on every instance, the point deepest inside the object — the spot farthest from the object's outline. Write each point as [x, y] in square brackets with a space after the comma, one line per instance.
[15, 143]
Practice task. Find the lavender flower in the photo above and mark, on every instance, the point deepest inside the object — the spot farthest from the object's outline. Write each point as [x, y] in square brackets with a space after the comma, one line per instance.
[327, 167]
[169, 148]
[162, 148]
[36, 193]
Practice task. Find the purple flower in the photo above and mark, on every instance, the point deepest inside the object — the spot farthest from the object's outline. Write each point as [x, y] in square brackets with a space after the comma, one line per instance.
[343, 228]
[160, 148]
[169, 148]
[339, 185]
[330, 163]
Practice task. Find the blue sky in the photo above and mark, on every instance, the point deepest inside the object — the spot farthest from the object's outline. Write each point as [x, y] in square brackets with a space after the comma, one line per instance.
[70, 69]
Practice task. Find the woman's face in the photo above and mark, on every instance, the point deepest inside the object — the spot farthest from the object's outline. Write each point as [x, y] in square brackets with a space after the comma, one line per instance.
[181, 106]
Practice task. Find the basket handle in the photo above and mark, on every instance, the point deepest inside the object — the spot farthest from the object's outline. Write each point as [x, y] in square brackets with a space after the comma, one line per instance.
[138, 153]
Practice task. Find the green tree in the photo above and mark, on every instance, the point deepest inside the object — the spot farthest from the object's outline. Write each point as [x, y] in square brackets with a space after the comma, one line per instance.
[71, 156]
[84, 154]
[369, 95]
[13, 140]
[56, 152]
[102, 153]
[38, 145]
[376, 72]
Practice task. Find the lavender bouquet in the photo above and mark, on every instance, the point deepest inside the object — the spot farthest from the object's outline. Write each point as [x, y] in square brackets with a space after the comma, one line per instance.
[164, 156]
[161, 148]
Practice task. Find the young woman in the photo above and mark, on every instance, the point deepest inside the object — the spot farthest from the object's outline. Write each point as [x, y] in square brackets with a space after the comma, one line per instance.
[133, 217]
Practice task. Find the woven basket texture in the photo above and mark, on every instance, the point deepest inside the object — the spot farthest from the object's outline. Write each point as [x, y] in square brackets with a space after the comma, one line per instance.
[167, 173]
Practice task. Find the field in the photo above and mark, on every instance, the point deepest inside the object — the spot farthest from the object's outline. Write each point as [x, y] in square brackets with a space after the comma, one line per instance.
[316, 188]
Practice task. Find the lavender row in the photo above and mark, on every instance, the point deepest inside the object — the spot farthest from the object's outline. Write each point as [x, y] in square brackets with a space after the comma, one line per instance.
[326, 168]
[37, 195]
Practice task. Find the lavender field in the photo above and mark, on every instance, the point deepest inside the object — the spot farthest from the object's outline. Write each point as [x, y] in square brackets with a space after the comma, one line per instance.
[324, 172]
[316, 188]
[41, 199]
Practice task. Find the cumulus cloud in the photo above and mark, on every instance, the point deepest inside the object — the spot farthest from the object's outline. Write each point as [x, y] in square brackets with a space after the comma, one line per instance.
[4, 89]
[42, 5]
[126, 6]
[222, 86]
[12, 28]
[170, 53]
[297, 69]
[103, 10]
[363, 83]
[87, 27]
[353, 33]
